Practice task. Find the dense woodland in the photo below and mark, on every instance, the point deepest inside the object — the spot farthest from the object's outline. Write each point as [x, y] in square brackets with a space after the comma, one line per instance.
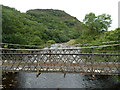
[36, 27]
[41, 26]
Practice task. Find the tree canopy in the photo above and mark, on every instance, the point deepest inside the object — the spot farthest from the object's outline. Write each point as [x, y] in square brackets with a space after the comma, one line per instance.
[96, 29]
[97, 23]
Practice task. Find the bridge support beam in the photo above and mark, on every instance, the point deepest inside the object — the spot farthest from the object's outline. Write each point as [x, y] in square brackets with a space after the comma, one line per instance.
[38, 75]
[64, 75]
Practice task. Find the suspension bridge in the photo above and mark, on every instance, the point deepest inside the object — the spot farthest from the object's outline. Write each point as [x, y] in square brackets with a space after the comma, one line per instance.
[61, 60]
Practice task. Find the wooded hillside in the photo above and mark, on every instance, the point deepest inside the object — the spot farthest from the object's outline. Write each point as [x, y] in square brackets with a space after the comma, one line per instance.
[38, 26]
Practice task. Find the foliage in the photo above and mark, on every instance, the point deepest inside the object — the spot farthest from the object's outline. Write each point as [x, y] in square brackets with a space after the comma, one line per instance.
[113, 35]
[36, 27]
[94, 28]
[71, 42]
[61, 26]
[51, 42]
[117, 77]
[97, 23]
[43, 26]
[106, 36]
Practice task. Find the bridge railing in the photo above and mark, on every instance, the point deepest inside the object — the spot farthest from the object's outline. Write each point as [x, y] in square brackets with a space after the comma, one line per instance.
[59, 60]
[114, 48]
[67, 60]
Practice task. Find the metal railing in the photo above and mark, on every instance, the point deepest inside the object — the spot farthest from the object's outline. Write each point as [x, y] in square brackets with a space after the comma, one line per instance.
[60, 60]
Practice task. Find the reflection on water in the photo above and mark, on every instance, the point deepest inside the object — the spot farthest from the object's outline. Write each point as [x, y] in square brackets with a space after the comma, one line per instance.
[57, 80]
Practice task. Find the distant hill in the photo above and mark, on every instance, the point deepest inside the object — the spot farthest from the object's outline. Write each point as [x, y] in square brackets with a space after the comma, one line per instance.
[38, 26]
[61, 26]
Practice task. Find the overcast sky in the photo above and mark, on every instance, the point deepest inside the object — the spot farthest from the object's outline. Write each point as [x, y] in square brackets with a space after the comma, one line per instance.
[76, 8]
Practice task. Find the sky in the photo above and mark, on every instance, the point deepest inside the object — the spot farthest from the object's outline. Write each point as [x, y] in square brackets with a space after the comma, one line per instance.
[76, 8]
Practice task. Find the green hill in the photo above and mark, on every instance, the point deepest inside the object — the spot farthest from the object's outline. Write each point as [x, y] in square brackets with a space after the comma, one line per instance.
[61, 26]
[38, 26]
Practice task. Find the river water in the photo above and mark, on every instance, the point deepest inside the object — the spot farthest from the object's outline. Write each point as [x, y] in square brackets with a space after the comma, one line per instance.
[57, 80]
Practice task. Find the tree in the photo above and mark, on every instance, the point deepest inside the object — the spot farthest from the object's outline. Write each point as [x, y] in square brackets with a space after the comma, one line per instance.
[97, 23]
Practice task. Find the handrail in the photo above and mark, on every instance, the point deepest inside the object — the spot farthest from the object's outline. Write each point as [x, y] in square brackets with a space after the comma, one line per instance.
[72, 48]
[99, 43]
[37, 46]
[98, 54]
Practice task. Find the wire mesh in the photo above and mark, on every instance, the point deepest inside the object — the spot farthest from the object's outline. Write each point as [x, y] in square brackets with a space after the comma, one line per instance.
[60, 60]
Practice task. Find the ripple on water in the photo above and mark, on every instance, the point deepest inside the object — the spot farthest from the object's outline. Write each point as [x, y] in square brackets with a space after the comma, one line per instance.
[57, 80]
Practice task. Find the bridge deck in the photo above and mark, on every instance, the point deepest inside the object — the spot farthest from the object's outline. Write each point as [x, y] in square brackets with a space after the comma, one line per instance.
[62, 67]
[103, 64]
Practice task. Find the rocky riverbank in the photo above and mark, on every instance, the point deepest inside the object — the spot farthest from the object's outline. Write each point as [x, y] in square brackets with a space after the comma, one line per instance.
[9, 80]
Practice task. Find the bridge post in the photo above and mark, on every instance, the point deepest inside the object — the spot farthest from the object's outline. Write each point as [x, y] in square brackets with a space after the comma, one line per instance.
[38, 66]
